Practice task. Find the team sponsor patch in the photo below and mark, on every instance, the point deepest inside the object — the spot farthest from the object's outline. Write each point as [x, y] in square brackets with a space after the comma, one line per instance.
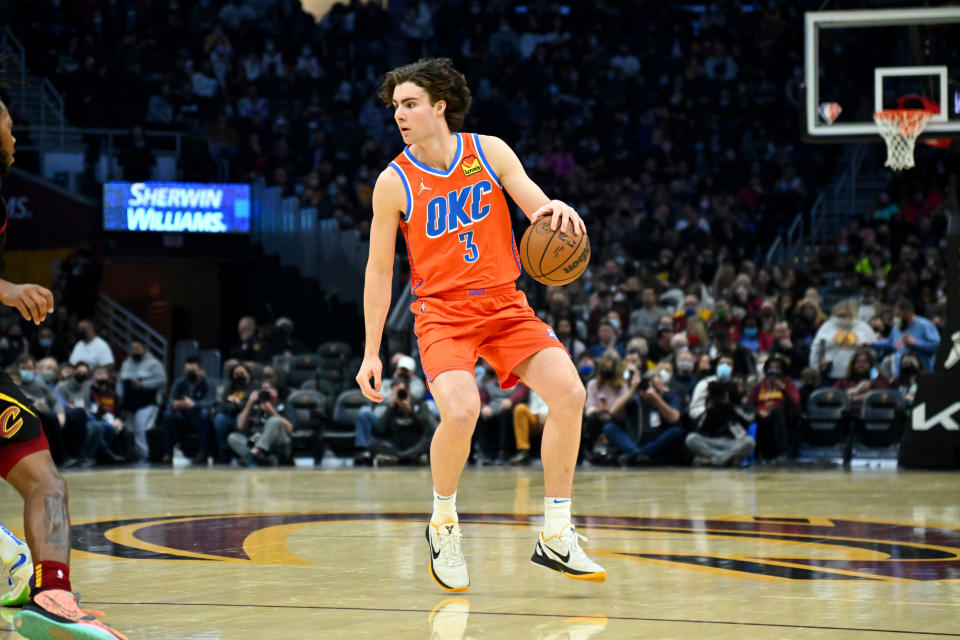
[471, 165]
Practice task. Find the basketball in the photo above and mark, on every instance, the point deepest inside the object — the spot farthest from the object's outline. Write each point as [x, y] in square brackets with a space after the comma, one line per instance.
[553, 257]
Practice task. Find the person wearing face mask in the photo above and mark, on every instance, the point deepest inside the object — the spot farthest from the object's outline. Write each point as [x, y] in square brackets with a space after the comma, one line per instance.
[36, 390]
[752, 337]
[81, 436]
[119, 442]
[231, 403]
[602, 391]
[141, 380]
[91, 348]
[282, 339]
[906, 382]
[648, 430]
[837, 340]
[47, 345]
[720, 436]
[564, 331]
[685, 379]
[911, 334]
[776, 400]
[49, 371]
[861, 378]
[188, 412]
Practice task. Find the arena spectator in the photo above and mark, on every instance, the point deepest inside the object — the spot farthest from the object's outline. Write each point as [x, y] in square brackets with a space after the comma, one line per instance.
[606, 340]
[91, 348]
[602, 391]
[910, 334]
[139, 387]
[861, 378]
[264, 434]
[251, 347]
[720, 436]
[776, 400]
[837, 340]
[404, 370]
[47, 345]
[231, 403]
[495, 425]
[188, 412]
[648, 430]
[906, 382]
[81, 437]
[528, 417]
[402, 434]
[12, 345]
[795, 355]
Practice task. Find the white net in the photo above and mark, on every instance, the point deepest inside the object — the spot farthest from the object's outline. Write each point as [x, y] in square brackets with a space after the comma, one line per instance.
[900, 128]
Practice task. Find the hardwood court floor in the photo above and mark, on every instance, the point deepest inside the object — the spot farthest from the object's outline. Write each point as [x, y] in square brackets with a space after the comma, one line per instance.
[227, 553]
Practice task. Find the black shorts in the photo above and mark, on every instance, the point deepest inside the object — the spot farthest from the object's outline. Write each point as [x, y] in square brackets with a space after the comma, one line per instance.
[20, 430]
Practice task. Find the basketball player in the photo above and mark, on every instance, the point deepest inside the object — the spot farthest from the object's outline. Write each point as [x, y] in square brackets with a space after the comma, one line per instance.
[445, 192]
[50, 607]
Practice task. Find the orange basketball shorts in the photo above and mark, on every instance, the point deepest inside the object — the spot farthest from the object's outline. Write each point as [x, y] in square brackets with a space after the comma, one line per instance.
[496, 324]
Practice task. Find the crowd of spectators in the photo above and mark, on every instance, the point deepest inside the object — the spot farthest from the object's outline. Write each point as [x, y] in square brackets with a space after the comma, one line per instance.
[664, 125]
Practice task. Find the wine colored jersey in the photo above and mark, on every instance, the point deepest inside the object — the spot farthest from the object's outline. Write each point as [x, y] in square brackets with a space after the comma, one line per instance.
[456, 223]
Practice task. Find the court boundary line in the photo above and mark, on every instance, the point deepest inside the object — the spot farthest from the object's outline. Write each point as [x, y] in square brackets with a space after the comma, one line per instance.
[531, 615]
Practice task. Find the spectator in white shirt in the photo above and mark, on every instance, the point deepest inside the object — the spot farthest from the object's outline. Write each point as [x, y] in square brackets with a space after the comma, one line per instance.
[91, 348]
[141, 382]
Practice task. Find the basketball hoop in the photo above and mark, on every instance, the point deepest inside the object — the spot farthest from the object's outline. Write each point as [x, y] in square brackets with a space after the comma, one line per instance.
[900, 128]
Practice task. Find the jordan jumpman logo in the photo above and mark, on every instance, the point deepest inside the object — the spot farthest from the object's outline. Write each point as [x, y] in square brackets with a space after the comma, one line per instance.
[423, 187]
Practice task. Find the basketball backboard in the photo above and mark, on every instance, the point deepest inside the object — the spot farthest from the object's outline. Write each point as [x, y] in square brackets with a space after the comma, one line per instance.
[858, 62]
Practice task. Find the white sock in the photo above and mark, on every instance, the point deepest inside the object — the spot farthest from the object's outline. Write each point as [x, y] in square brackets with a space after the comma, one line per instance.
[444, 508]
[556, 515]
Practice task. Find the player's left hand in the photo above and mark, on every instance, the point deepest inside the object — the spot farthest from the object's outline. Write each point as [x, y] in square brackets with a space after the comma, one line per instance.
[562, 215]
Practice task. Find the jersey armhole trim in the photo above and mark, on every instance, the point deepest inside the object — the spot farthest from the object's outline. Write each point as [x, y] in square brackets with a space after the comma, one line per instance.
[406, 187]
[483, 159]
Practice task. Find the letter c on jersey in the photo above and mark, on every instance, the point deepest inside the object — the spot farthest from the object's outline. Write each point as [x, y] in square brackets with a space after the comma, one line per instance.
[446, 214]
[8, 430]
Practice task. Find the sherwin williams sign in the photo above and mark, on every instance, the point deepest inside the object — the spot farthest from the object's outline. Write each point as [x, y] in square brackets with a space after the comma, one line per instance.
[176, 207]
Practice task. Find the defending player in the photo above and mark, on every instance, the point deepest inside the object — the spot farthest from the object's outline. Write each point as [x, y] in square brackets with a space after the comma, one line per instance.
[445, 192]
[52, 610]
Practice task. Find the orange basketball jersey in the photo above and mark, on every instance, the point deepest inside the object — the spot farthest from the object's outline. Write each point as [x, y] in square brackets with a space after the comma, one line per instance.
[456, 223]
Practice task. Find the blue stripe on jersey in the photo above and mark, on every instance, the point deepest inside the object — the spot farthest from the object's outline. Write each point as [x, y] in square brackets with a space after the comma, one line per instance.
[513, 249]
[406, 241]
[483, 159]
[406, 187]
[442, 174]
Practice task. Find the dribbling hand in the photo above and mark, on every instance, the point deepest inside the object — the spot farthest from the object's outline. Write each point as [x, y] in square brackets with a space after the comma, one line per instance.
[31, 300]
[371, 367]
[563, 215]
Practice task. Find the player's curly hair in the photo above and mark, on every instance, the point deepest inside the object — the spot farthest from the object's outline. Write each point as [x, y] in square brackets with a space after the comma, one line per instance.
[440, 80]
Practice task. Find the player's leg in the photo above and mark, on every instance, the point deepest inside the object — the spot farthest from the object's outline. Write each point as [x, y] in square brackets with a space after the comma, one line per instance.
[47, 523]
[458, 400]
[551, 374]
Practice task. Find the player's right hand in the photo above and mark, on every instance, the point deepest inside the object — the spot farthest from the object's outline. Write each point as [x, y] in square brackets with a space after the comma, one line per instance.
[31, 300]
[371, 367]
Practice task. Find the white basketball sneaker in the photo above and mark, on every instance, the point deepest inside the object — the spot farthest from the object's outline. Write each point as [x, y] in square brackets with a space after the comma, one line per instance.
[562, 553]
[17, 570]
[448, 568]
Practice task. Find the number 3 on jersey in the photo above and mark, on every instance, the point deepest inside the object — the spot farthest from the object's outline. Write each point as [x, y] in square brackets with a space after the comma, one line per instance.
[474, 252]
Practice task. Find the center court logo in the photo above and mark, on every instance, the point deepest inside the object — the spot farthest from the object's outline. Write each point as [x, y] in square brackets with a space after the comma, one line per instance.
[809, 548]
